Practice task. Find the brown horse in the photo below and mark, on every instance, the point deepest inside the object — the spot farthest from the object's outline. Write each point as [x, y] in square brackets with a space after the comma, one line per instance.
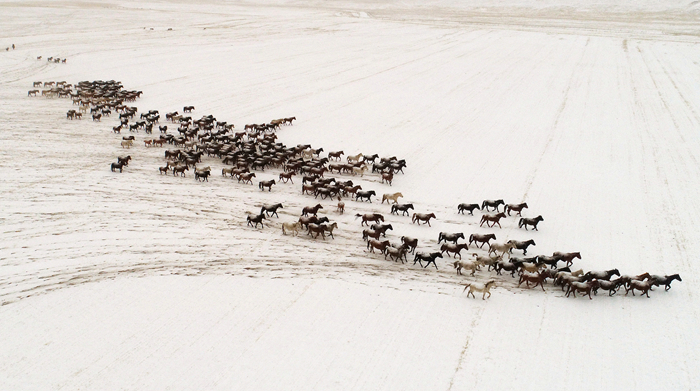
[566, 257]
[411, 243]
[335, 155]
[376, 217]
[387, 177]
[483, 239]
[642, 286]
[418, 217]
[533, 222]
[468, 207]
[375, 244]
[537, 279]
[318, 229]
[492, 219]
[286, 177]
[454, 248]
[263, 184]
[180, 170]
[370, 233]
[491, 204]
[246, 177]
[585, 288]
[516, 208]
[311, 210]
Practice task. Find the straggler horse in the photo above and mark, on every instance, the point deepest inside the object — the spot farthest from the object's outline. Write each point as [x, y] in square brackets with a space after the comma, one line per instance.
[492, 219]
[256, 220]
[271, 209]
[263, 184]
[516, 208]
[468, 207]
[403, 208]
[483, 239]
[533, 222]
[376, 217]
[665, 280]
[566, 257]
[454, 237]
[286, 177]
[491, 204]
[418, 217]
[521, 245]
[477, 287]
[428, 258]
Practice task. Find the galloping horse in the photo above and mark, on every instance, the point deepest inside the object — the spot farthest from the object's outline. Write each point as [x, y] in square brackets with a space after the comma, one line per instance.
[256, 220]
[418, 217]
[665, 280]
[522, 245]
[428, 258]
[527, 278]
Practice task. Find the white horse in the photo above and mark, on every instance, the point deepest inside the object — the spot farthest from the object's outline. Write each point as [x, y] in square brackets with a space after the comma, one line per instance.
[355, 158]
[503, 248]
[391, 197]
[291, 227]
[359, 170]
[477, 287]
[127, 143]
[487, 261]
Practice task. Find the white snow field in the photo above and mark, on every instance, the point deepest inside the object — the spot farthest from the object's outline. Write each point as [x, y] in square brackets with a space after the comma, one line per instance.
[138, 281]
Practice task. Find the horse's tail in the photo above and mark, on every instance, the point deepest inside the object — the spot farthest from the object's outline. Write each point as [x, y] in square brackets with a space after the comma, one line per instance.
[357, 215]
[521, 222]
[466, 286]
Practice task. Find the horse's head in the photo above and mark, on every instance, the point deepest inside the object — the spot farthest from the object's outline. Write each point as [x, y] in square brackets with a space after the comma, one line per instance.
[674, 277]
[491, 236]
[614, 272]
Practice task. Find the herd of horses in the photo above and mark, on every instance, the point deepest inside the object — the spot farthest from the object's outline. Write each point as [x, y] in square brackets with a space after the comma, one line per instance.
[256, 149]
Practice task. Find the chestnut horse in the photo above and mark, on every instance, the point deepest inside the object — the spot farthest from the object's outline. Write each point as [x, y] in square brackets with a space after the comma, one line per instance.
[493, 219]
[381, 246]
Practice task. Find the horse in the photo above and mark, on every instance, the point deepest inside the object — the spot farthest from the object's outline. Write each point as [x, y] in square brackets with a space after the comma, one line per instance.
[396, 253]
[524, 222]
[492, 219]
[376, 217]
[466, 265]
[124, 159]
[582, 287]
[483, 288]
[115, 166]
[318, 229]
[487, 260]
[507, 266]
[386, 177]
[483, 239]
[411, 243]
[601, 275]
[311, 210]
[355, 158]
[360, 170]
[454, 248]
[270, 209]
[341, 207]
[32, 92]
[163, 170]
[335, 155]
[263, 184]
[392, 197]
[642, 286]
[403, 208]
[418, 217]
[286, 177]
[610, 286]
[370, 233]
[665, 280]
[469, 207]
[376, 244]
[202, 175]
[382, 228]
[516, 208]
[180, 170]
[256, 220]
[291, 227]
[527, 278]
[360, 195]
[566, 257]
[503, 248]
[491, 204]
[187, 109]
[428, 258]
[454, 237]
[127, 144]
[522, 245]
[246, 177]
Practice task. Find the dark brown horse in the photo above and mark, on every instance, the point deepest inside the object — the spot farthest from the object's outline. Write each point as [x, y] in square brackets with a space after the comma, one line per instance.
[468, 207]
[376, 217]
[491, 204]
[424, 217]
[533, 222]
[516, 208]
[428, 258]
[566, 257]
[271, 209]
[403, 208]
[263, 184]
[483, 239]
[454, 248]
[286, 177]
[311, 210]
[521, 245]
[411, 243]
[447, 237]
[665, 280]
[256, 220]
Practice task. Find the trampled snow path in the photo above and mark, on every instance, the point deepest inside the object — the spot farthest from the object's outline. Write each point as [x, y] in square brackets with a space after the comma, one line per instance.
[590, 120]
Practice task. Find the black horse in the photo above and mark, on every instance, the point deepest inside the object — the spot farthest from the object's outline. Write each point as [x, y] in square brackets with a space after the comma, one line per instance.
[271, 209]
[524, 222]
[116, 166]
[470, 207]
[522, 245]
[256, 220]
[124, 159]
[428, 258]
[202, 175]
[665, 280]
[450, 237]
[403, 208]
[361, 195]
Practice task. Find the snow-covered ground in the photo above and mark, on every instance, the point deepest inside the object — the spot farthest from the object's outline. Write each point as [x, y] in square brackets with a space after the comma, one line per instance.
[139, 281]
